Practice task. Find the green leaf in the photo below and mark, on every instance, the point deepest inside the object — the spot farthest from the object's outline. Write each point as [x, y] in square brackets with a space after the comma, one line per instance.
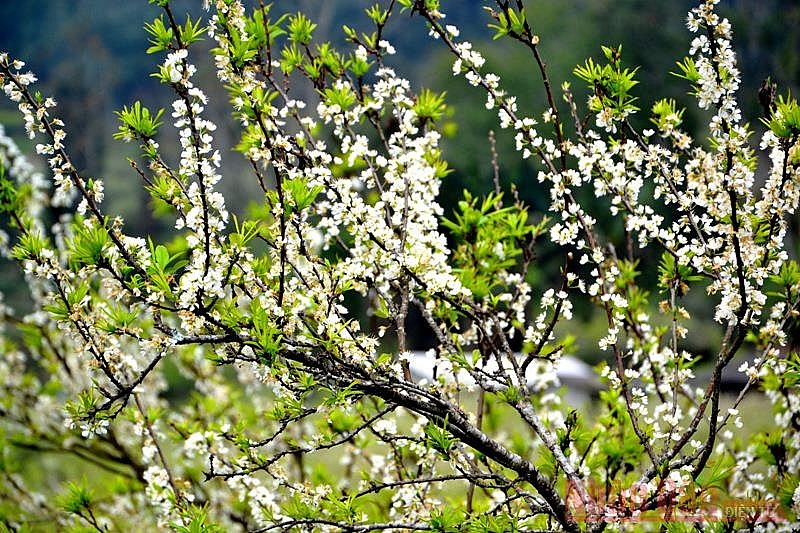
[330, 59]
[341, 95]
[785, 119]
[161, 256]
[30, 246]
[717, 473]
[666, 116]
[138, 122]
[675, 275]
[430, 105]
[489, 239]
[301, 194]
[77, 500]
[380, 309]
[241, 51]
[438, 438]
[589, 72]
[502, 28]
[118, 318]
[300, 29]
[516, 20]
[357, 65]
[163, 261]
[688, 70]
[87, 245]
[291, 58]
[197, 518]
[446, 520]
[86, 403]
[161, 35]
[268, 335]
[611, 83]
[191, 32]
[244, 231]
[377, 15]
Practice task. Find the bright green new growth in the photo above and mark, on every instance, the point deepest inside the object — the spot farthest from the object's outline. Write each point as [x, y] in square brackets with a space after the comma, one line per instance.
[138, 122]
[611, 83]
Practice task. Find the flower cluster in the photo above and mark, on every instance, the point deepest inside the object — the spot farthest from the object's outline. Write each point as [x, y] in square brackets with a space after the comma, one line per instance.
[38, 120]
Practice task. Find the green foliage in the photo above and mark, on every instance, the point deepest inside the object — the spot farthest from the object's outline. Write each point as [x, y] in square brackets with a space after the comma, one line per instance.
[267, 333]
[118, 318]
[688, 70]
[447, 520]
[83, 406]
[191, 32]
[439, 438]
[611, 83]
[508, 21]
[498, 523]
[489, 239]
[786, 283]
[73, 300]
[161, 35]
[138, 122]
[12, 197]
[78, 499]
[30, 246]
[716, 475]
[666, 115]
[358, 66]
[164, 267]
[344, 97]
[262, 30]
[88, 243]
[785, 119]
[300, 29]
[301, 194]
[198, 522]
[331, 59]
[377, 15]
[618, 454]
[244, 232]
[430, 105]
[771, 448]
[291, 58]
[675, 275]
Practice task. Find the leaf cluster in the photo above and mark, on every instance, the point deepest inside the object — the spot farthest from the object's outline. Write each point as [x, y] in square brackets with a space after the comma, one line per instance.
[489, 239]
[610, 82]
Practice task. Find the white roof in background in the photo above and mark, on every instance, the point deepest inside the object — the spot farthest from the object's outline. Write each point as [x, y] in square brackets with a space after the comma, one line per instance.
[569, 371]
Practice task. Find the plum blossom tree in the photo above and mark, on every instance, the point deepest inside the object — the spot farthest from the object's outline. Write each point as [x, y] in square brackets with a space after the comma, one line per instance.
[302, 417]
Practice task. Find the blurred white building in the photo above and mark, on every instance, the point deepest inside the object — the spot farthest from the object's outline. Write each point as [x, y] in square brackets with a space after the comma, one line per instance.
[578, 378]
